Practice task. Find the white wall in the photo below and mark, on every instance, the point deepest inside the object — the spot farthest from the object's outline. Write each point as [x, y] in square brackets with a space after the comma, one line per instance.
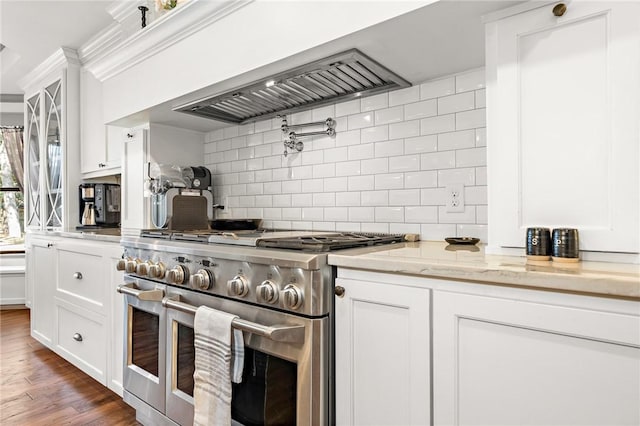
[385, 170]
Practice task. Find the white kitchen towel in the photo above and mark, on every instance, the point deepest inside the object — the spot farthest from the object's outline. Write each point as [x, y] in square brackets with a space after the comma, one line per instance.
[213, 366]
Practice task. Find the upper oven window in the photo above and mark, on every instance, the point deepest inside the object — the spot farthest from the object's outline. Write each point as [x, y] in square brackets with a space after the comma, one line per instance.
[145, 340]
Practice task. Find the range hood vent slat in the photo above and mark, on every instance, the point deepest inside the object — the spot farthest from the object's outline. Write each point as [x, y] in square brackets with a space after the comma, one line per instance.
[337, 78]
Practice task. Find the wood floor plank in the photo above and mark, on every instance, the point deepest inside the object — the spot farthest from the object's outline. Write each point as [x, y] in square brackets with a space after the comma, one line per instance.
[38, 387]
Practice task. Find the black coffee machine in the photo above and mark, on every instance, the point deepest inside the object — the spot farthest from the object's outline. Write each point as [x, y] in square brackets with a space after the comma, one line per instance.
[99, 205]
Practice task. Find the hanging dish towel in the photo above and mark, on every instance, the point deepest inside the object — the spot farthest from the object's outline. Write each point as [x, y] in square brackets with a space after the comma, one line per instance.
[219, 359]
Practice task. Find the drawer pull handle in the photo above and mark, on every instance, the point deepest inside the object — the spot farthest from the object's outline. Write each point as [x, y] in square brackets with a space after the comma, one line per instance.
[77, 275]
[77, 337]
[339, 291]
[559, 9]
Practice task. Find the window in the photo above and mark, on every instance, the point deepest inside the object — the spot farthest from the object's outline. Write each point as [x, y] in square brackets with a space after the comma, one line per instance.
[11, 188]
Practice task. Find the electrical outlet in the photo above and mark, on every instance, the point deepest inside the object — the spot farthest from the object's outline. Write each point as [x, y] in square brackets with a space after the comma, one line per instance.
[455, 198]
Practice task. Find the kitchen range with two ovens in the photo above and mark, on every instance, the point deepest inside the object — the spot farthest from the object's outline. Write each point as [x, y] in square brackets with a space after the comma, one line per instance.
[278, 284]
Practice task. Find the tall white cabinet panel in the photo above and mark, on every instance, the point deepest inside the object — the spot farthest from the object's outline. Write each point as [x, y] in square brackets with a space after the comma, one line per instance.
[502, 361]
[52, 137]
[101, 145]
[40, 275]
[382, 354]
[563, 132]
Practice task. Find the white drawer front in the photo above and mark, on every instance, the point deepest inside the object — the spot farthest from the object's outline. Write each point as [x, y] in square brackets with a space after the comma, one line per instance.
[81, 279]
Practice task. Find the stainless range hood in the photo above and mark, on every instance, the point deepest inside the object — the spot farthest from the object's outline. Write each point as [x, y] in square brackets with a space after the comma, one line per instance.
[338, 77]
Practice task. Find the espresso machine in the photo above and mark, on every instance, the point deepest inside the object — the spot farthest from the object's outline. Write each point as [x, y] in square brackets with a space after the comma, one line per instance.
[99, 205]
[181, 196]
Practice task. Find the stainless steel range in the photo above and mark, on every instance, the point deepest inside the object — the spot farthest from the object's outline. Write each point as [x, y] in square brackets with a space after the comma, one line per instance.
[279, 285]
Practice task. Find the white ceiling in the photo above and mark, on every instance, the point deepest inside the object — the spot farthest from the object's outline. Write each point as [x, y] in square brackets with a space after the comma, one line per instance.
[33, 30]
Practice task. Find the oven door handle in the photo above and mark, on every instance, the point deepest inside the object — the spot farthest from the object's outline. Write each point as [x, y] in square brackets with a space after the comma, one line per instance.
[154, 295]
[279, 333]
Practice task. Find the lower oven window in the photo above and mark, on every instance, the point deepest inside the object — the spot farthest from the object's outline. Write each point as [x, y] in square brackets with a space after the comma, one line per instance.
[186, 357]
[145, 341]
[267, 394]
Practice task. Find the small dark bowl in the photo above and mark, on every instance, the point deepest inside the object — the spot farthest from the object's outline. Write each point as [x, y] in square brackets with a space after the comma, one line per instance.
[462, 240]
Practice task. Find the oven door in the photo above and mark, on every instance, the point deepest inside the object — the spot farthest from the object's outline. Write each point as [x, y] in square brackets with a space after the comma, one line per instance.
[286, 376]
[144, 341]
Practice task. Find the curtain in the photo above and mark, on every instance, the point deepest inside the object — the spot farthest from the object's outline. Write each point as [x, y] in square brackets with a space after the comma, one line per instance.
[14, 144]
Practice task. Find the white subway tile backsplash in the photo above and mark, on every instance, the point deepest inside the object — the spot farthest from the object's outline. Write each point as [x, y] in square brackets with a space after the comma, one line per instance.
[439, 124]
[361, 214]
[423, 179]
[374, 198]
[437, 88]
[348, 168]
[388, 148]
[313, 185]
[478, 231]
[438, 160]
[374, 134]
[336, 184]
[463, 176]
[346, 138]
[359, 121]
[406, 129]
[389, 214]
[292, 213]
[404, 163]
[471, 119]
[456, 140]
[389, 181]
[470, 81]
[384, 171]
[456, 103]
[360, 152]
[374, 102]
[404, 197]
[301, 200]
[361, 183]
[421, 214]
[389, 115]
[376, 165]
[471, 157]
[404, 96]
[428, 108]
[348, 199]
[348, 108]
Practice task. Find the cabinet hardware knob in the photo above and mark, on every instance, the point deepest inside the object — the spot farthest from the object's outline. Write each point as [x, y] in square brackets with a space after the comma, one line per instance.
[77, 275]
[129, 135]
[101, 165]
[77, 337]
[339, 291]
[559, 9]
[49, 245]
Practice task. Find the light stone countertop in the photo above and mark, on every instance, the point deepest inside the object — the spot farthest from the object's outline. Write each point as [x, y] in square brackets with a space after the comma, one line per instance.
[438, 259]
[110, 235]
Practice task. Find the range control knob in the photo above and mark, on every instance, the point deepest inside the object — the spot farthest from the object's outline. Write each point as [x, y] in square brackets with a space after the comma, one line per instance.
[203, 279]
[122, 264]
[292, 296]
[157, 270]
[267, 292]
[178, 275]
[131, 266]
[238, 286]
[142, 268]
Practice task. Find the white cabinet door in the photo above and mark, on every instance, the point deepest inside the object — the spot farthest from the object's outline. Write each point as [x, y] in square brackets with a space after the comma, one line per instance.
[503, 361]
[382, 354]
[563, 100]
[135, 210]
[116, 325]
[42, 276]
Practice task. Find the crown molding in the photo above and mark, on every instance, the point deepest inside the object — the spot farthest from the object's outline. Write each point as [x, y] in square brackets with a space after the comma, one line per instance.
[64, 56]
[101, 43]
[174, 26]
[121, 10]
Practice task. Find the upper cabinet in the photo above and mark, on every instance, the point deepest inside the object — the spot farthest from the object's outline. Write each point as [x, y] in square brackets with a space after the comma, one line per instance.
[51, 134]
[563, 101]
[101, 145]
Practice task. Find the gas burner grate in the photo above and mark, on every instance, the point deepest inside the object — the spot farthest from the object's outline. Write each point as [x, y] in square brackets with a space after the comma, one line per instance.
[331, 241]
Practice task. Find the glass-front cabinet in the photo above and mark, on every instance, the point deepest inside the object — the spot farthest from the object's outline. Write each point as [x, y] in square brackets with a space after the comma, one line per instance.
[52, 133]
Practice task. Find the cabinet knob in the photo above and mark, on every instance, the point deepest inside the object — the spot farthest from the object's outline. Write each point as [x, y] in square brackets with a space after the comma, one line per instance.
[77, 337]
[77, 275]
[102, 165]
[129, 135]
[49, 245]
[339, 291]
[559, 9]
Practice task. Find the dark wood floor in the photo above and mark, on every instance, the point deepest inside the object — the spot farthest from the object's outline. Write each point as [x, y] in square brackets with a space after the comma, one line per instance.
[37, 387]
